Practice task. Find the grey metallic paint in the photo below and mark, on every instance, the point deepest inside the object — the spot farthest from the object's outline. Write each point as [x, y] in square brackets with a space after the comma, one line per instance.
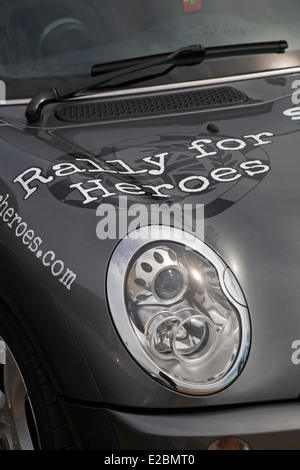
[256, 232]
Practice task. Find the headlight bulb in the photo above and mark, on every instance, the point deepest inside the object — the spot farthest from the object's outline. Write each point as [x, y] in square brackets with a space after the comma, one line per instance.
[157, 276]
[168, 284]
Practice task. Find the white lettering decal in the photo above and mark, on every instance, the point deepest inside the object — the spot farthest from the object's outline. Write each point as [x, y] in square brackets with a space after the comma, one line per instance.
[237, 144]
[66, 169]
[95, 167]
[96, 189]
[160, 163]
[260, 168]
[98, 186]
[37, 172]
[127, 168]
[257, 138]
[33, 244]
[204, 185]
[157, 189]
[129, 188]
[198, 145]
[221, 174]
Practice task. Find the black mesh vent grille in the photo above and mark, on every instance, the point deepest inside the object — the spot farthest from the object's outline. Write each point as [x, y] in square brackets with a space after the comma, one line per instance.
[185, 101]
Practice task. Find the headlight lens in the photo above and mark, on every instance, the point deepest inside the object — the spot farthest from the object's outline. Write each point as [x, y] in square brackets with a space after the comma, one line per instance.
[168, 284]
[177, 316]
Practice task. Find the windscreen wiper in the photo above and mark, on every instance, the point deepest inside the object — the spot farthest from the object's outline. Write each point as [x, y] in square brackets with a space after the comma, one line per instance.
[210, 53]
[184, 55]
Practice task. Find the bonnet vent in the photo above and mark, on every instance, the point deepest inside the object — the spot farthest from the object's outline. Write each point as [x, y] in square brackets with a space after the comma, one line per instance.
[147, 105]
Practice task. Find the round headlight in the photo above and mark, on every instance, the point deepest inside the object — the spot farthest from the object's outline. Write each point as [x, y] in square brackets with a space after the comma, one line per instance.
[175, 313]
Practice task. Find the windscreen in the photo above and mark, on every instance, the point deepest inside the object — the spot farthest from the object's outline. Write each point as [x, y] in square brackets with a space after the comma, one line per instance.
[58, 38]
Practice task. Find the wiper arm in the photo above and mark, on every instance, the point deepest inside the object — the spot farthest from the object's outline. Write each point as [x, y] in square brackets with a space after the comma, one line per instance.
[34, 108]
[189, 54]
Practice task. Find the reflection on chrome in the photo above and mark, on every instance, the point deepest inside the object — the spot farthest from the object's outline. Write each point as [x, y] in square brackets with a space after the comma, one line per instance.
[176, 316]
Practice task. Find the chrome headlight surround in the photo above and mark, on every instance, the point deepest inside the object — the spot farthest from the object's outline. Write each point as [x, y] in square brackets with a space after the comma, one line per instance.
[161, 313]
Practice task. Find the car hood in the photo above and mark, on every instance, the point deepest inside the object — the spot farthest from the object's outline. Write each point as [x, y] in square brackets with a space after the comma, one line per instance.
[238, 161]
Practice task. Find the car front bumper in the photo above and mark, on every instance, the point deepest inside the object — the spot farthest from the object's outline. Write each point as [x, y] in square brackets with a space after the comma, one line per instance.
[261, 427]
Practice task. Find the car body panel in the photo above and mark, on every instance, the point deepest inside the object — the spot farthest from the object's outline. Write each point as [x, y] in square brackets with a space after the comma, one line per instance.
[251, 222]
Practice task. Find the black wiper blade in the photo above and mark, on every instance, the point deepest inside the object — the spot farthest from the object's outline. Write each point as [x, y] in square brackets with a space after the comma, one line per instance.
[34, 108]
[188, 54]
[209, 53]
